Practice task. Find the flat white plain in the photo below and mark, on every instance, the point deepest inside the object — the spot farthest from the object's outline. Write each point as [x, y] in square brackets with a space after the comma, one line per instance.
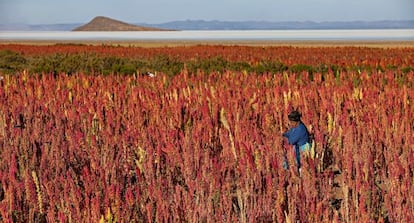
[357, 34]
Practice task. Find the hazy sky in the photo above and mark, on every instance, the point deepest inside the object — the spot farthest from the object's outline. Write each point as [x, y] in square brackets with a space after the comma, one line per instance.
[159, 11]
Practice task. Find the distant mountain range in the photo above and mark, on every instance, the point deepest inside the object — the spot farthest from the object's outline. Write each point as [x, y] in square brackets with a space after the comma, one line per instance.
[266, 25]
[115, 25]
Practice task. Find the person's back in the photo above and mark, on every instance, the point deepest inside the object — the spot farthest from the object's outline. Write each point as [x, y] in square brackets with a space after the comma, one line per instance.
[297, 136]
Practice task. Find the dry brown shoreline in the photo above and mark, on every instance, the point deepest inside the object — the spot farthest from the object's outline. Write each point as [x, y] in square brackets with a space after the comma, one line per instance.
[169, 43]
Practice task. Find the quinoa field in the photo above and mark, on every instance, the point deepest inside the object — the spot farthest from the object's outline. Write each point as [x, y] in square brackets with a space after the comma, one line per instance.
[105, 133]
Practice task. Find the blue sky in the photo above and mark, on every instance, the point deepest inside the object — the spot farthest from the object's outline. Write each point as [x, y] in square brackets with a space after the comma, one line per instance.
[159, 11]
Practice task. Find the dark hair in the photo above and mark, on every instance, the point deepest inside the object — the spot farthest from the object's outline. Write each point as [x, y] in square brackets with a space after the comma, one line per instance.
[294, 116]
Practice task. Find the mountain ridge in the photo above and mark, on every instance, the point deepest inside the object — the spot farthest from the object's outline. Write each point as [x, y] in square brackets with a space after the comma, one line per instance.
[102, 23]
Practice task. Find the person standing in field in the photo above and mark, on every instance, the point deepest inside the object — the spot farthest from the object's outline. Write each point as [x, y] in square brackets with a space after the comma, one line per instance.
[298, 136]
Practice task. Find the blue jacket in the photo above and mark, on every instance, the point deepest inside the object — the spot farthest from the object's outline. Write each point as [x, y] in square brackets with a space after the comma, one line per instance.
[297, 136]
